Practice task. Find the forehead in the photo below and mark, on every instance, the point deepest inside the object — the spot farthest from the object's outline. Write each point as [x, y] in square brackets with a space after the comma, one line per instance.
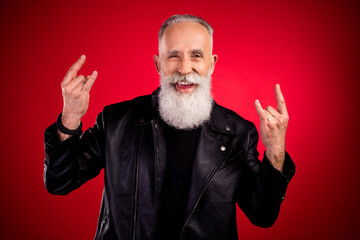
[185, 36]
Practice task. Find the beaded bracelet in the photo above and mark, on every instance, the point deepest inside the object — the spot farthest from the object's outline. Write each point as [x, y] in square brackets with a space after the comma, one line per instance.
[65, 130]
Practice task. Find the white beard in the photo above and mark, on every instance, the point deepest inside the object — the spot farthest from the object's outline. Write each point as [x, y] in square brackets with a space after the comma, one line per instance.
[185, 110]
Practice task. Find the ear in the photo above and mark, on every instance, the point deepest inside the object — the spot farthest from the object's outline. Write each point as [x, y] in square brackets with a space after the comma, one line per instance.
[157, 63]
[214, 59]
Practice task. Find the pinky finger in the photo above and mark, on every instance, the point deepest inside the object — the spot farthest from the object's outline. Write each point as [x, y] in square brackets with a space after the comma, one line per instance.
[90, 81]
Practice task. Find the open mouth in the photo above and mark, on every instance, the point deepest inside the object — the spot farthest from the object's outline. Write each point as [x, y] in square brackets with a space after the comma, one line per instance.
[184, 86]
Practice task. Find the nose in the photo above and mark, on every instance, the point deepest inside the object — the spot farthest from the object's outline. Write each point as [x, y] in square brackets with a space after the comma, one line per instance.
[185, 66]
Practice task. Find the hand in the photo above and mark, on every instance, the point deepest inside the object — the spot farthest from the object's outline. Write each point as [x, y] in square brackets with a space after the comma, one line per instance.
[75, 91]
[273, 125]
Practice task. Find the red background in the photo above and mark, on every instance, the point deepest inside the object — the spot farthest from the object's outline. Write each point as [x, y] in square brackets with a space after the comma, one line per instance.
[310, 47]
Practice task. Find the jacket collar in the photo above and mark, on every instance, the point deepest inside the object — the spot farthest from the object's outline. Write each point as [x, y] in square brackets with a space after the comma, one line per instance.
[219, 121]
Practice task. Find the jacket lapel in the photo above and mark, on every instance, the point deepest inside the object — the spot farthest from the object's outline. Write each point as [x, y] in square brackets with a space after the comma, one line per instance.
[210, 154]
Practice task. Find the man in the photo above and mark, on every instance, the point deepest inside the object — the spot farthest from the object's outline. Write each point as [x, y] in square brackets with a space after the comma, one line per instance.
[176, 163]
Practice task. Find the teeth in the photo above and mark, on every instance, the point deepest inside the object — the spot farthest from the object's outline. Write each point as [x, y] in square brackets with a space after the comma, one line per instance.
[184, 83]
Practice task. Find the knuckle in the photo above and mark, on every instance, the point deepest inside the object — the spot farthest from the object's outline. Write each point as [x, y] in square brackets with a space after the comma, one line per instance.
[76, 94]
[284, 119]
[73, 93]
[269, 125]
[67, 89]
[70, 91]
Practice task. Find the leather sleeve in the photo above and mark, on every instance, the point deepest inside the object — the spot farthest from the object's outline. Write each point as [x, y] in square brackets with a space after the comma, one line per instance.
[263, 187]
[71, 163]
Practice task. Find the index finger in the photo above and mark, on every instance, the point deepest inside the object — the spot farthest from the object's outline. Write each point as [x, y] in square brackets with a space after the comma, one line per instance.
[74, 69]
[260, 111]
[281, 105]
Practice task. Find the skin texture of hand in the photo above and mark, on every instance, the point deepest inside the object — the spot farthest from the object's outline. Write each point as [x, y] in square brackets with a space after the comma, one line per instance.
[75, 91]
[273, 125]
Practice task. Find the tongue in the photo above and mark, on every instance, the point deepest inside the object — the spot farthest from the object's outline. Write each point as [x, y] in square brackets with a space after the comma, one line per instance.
[185, 86]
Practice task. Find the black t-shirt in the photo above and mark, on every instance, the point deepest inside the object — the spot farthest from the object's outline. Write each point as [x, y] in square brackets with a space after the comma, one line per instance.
[181, 148]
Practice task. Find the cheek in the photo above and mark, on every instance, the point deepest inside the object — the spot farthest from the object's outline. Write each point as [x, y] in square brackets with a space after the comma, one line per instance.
[202, 69]
[168, 68]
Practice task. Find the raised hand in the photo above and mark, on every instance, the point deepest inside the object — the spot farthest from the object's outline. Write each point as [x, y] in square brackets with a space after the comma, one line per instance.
[273, 125]
[75, 91]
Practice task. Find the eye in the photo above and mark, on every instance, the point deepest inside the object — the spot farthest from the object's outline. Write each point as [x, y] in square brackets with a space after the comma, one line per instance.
[197, 56]
[173, 56]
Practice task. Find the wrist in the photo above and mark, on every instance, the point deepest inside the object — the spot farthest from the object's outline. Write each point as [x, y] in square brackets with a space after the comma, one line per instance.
[276, 158]
[72, 127]
[70, 122]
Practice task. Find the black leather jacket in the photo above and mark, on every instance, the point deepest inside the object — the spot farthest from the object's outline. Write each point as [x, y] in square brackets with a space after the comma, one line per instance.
[127, 140]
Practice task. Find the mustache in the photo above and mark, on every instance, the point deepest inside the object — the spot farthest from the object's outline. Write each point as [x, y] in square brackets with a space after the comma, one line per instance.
[191, 78]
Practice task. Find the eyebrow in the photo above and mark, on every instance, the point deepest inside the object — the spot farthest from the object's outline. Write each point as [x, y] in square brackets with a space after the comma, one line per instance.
[173, 52]
[195, 51]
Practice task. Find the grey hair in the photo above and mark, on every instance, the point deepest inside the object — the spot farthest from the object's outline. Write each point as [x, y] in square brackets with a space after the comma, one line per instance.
[185, 18]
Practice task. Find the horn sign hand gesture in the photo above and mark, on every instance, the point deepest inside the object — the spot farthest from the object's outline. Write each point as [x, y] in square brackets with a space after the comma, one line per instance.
[273, 125]
[75, 91]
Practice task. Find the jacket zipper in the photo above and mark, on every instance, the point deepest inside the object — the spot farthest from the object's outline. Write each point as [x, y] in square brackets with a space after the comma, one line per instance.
[202, 192]
[136, 183]
[157, 167]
